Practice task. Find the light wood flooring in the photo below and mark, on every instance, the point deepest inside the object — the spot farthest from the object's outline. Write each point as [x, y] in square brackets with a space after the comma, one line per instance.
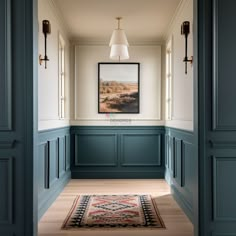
[177, 224]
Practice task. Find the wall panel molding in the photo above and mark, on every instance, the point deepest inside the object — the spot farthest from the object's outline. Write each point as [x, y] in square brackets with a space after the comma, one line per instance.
[130, 144]
[179, 171]
[53, 161]
[223, 144]
[178, 160]
[46, 166]
[221, 71]
[7, 144]
[172, 159]
[5, 68]
[223, 169]
[6, 197]
[61, 156]
[67, 152]
[118, 152]
[53, 175]
[223, 234]
[86, 156]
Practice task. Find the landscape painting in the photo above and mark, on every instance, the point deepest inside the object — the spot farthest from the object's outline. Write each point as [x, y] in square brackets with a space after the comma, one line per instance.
[118, 87]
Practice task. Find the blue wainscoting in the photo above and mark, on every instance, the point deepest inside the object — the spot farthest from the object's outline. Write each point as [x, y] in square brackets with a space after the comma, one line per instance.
[179, 163]
[117, 152]
[53, 165]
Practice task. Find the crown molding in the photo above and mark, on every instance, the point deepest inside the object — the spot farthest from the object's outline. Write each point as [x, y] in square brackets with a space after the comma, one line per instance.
[77, 42]
[177, 14]
[59, 16]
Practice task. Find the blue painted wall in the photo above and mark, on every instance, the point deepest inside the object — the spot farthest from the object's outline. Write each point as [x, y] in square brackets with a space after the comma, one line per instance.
[53, 165]
[180, 162]
[117, 152]
[137, 152]
[17, 126]
[217, 118]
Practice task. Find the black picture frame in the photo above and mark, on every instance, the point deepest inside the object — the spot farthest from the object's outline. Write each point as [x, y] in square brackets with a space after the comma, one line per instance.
[118, 87]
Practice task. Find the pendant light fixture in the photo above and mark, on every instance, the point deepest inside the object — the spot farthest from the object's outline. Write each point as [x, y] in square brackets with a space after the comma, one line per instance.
[119, 44]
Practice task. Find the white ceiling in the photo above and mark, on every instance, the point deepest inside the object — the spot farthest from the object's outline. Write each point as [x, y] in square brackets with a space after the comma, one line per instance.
[94, 20]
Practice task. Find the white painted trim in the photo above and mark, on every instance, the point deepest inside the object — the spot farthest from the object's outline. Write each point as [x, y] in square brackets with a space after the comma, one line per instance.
[180, 124]
[54, 119]
[75, 84]
[118, 119]
[158, 118]
[62, 42]
[177, 14]
[77, 42]
[173, 75]
[117, 122]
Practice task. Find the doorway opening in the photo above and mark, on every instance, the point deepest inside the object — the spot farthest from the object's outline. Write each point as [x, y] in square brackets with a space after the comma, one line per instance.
[77, 142]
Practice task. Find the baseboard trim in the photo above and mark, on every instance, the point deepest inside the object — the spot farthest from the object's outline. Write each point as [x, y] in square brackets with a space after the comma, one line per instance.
[117, 175]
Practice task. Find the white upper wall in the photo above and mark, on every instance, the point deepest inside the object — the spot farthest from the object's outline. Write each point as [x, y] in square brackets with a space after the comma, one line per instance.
[86, 86]
[83, 88]
[182, 107]
[48, 87]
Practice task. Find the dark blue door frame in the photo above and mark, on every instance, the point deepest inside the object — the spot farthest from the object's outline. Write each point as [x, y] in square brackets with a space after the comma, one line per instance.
[18, 117]
[214, 161]
[217, 117]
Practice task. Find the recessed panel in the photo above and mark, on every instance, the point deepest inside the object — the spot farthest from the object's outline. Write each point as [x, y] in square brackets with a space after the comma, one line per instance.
[5, 66]
[96, 150]
[166, 151]
[178, 161]
[67, 151]
[171, 150]
[62, 155]
[41, 167]
[53, 161]
[141, 150]
[224, 175]
[6, 190]
[224, 51]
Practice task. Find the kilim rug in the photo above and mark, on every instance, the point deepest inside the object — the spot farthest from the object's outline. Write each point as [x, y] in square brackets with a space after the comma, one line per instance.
[113, 212]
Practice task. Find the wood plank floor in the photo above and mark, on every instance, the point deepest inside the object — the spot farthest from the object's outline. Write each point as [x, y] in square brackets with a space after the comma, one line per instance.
[177, 224]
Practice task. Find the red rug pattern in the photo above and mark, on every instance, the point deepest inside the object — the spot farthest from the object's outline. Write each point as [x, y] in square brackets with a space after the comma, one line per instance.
[113, 211]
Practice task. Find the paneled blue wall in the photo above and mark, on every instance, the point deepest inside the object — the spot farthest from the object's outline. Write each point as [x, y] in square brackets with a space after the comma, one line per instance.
[17, 124]
[217, 119]
[53, 165]
[6, 160]
[117, 152]
[179, 162]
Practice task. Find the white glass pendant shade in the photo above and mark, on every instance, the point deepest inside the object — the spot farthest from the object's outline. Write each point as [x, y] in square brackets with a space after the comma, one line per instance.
[119, 52]
[119, 44]
[118, 37]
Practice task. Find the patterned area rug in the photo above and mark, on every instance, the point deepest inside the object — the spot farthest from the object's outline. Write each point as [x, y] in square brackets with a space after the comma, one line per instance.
[113, 212]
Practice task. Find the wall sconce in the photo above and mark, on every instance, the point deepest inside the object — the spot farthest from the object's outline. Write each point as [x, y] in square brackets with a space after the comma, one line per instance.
[46, 31]
[185, 30]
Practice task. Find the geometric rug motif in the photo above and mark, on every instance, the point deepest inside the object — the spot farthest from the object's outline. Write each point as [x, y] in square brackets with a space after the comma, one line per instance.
[113, 212]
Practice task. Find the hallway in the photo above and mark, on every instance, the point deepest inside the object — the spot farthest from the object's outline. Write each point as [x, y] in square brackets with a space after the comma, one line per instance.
[175, 220]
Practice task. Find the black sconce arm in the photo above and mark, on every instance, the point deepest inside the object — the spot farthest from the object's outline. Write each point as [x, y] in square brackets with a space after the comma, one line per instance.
[185, 30]
[46, 31]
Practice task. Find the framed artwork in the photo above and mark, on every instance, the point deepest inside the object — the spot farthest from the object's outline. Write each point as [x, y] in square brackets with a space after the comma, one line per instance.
[118, 87]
